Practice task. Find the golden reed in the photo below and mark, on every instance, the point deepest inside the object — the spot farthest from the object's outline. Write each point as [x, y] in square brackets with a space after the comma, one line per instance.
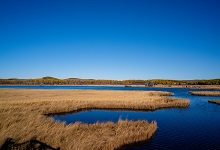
[22, 116]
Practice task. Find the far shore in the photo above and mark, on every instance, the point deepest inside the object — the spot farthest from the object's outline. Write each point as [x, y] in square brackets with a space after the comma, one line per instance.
[208, 87]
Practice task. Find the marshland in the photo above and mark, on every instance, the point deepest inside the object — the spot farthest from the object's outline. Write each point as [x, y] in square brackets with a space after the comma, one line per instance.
[23, 116]
[181, 125]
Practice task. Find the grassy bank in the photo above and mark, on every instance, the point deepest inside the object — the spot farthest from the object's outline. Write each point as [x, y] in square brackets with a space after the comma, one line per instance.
[205, 93]
[22, 117]
[214, 101]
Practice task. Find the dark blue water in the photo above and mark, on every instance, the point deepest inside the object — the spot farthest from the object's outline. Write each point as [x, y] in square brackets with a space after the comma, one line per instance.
[196, 127]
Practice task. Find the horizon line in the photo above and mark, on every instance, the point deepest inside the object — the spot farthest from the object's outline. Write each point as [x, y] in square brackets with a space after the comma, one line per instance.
[104, 79]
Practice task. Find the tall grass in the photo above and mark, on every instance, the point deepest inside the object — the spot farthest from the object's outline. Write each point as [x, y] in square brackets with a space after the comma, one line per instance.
[205, 93]
[22, 117]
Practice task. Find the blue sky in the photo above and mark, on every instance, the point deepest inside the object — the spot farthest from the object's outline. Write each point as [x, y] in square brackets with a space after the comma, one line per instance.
[111, 39]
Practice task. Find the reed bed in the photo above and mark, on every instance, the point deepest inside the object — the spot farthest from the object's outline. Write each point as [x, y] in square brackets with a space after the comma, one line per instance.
[214, 101]
[205, 93]
[22, 115]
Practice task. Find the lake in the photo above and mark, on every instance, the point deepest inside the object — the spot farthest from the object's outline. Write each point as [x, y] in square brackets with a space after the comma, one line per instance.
[196, 127]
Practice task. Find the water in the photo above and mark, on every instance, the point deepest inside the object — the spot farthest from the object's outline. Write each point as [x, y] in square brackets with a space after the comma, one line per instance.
[196, 127]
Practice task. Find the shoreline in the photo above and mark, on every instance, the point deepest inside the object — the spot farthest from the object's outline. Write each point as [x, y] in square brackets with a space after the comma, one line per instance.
[208, 87]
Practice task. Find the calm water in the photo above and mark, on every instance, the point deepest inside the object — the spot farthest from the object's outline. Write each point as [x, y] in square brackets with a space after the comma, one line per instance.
[196, 127]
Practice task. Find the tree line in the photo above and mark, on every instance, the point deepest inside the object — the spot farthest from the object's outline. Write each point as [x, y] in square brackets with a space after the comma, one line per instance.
[75, 81]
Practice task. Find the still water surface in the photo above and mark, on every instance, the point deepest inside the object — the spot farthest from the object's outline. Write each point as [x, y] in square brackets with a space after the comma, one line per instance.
[196, 127]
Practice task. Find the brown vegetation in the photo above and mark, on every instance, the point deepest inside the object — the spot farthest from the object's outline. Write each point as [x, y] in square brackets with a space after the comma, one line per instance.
[21, 115]
[205, 93]
[214, 101]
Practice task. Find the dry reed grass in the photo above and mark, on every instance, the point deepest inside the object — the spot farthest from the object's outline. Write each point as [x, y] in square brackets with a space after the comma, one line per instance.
[214, 101]
[21, 115]
[205, 93]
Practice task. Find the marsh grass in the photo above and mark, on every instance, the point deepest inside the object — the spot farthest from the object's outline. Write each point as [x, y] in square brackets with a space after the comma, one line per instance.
[205, 93]
[214, 101]
[22, 115]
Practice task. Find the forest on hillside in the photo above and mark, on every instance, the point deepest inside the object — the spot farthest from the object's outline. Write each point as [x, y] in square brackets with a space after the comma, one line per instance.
[76, 81]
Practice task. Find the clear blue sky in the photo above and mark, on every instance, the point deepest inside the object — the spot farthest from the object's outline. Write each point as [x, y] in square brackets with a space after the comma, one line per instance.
[110, 39]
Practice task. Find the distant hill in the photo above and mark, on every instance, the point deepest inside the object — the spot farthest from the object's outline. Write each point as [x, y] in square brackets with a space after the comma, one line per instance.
[48, 77]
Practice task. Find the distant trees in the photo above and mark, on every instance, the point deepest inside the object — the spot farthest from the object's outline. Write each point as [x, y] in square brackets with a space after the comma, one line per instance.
[169, 82]
[75, 81]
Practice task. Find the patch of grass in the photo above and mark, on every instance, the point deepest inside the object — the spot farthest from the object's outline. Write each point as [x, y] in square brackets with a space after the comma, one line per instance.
[205, 93]
[214, 101]
[22, 115]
